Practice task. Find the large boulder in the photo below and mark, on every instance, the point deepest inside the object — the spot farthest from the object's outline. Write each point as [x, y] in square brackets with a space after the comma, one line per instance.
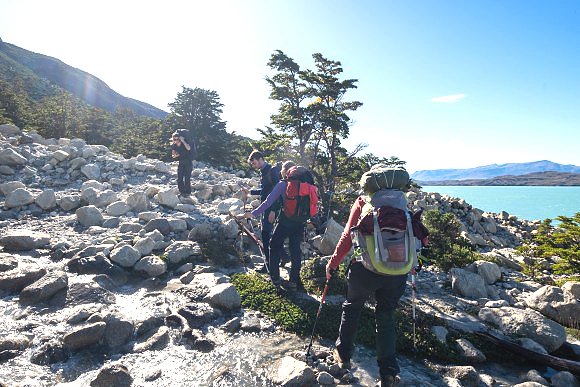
[44, 288]
[9, 130]
[232, 204]
[526, 323]
[150, 266]
[224, 296]
[23, 239]
[46, 200]
[289, 371]
[489, 271]
[117, 208]
[89, 216]
[167, 198]
[138, 202]
[91, 171]
[125, 256]
[467, 284]
[180, 250]
[10, 157]
[6, 188]
[119, 330]
[18, 198]
[331, 237]
[113, 375]
[85, 336]
[555, 303]
[18, 279]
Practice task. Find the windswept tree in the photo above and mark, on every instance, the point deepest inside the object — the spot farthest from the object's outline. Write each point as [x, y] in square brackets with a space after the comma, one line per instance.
[331, 122]
[289, 87]
[199, 110]
[61, 115]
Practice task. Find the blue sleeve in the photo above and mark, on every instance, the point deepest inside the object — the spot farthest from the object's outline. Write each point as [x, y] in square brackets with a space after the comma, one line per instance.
[276, 193]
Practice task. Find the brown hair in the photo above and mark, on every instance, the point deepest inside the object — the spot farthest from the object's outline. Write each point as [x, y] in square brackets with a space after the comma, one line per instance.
[255, 155]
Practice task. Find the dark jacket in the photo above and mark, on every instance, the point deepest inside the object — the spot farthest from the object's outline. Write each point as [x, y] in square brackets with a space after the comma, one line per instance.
[269, 177]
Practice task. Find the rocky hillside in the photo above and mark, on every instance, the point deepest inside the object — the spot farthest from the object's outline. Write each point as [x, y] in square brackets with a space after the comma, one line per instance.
[530, 179]
[42, 76]
[107, 277]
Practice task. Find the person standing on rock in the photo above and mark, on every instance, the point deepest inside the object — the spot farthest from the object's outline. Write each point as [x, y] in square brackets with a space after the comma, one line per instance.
[269, 177]
[285, 228]
[183, 152]
[373, 218]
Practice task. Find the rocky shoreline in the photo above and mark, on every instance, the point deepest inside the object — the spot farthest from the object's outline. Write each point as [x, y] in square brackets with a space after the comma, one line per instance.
[100, 256]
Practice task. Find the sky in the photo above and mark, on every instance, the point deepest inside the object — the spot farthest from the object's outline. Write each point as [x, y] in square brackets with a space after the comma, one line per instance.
[444, 84]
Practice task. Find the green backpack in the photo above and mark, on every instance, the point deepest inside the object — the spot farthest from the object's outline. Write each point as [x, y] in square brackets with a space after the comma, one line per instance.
[383, 177]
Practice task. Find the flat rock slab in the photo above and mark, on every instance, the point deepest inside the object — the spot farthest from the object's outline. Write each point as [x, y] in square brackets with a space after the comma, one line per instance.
[22, 240]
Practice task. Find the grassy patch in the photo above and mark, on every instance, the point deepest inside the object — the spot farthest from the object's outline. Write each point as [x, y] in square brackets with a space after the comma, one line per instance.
[297, 315]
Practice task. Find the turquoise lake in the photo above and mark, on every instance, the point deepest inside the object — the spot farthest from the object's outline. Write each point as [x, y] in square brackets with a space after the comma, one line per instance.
[524, 202]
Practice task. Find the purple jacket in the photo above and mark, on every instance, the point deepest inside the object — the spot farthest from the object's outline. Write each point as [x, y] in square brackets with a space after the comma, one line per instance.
[277, 191]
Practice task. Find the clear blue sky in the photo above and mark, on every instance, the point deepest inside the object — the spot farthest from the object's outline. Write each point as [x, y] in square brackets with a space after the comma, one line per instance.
[445, 84]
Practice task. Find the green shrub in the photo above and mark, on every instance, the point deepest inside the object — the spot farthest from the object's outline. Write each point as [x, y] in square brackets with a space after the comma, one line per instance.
[447, 248]
[313, 276]
[297, 314]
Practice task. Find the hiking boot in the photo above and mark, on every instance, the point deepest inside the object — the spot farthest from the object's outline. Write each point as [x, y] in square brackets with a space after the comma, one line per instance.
[342, 363]
[389, 380]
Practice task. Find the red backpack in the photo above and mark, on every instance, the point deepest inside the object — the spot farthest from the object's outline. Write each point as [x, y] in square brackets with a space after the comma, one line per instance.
[301, 201]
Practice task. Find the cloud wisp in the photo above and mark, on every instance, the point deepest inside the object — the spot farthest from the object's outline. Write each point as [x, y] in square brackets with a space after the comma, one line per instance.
[449, 98]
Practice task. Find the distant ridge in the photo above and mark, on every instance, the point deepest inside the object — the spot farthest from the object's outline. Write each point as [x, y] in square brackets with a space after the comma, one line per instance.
[493, 170]
[43, 75]
[530, 179]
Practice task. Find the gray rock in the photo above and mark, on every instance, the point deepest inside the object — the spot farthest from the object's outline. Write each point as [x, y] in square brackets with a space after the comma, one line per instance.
[150, 266]
[88, 293]
[440, 333]
[467, 375]
[44, 288]
[23, 239]
[18, 198]
[489, 271]
[77, 162]
[526, 323]
[13, 342]
[91, 171]
[232, 325]
[232, 204]
[126, 256]
[167, 198]
[69, 202]
[289, 371]
[155, 341]
[531, 345]
[117, 208]
[105, 198]
[10, 157]
[556, 304]
[6, 170]
[160, 224]
[467, 284]
[60, 155]
[16, 280]
[138, 202]
[113, 375]
[224, 296]
[564, 379]
[6, 188]
[161, 167]
[331, 237]
[528, 384]
[7, 262]
[144, 245]
[89, 216]
[49, 353]
[572, 288]
[325, 379]
[180, 250]
[85, 336]
[118, 332]
[177, 225]
[130, 227]
[534, 376]
[46, 200]
[468, 351]
[9, 130]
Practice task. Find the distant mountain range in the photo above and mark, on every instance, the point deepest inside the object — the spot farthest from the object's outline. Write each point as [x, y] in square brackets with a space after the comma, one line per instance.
[43, 76]
[492, 171]
[530, 179]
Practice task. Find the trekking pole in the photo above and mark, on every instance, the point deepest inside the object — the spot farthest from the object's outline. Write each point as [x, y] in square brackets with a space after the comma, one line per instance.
[413, 290]
[317, 316]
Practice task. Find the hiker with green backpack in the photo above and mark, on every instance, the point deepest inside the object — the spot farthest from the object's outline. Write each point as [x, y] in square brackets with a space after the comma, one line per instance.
[384, 235]
[300, 202]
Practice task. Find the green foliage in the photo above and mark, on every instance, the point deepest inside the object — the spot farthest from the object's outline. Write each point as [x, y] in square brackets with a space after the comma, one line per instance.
[313, 276]
[562, 281]
[562, 241]
[298, 314]
[447, 248]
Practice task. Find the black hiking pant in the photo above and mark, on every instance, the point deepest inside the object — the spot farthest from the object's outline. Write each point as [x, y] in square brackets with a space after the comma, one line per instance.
[184, 169]
[294, 231]
[388, 291]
